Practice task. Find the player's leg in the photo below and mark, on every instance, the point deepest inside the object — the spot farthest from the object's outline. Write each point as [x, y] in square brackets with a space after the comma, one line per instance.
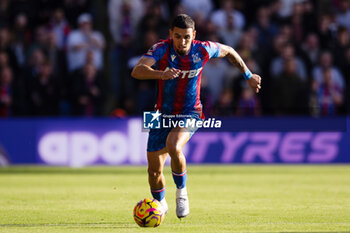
[156, 155]
[176, 140]
[156, 177]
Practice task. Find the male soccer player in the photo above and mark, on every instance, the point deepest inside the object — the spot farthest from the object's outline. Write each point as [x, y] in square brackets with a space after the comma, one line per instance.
[177, 64]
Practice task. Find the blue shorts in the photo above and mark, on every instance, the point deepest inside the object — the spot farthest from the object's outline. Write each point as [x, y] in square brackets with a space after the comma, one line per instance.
[157, 137]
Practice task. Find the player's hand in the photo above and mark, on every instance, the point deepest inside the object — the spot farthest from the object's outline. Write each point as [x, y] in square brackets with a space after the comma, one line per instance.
[170, 74]
[255, 82]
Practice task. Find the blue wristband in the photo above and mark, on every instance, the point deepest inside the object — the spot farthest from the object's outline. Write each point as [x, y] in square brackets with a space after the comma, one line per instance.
[247, 75]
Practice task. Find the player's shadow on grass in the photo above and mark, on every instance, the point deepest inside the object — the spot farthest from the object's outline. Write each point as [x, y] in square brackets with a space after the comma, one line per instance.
[72, 171]
[74, 225]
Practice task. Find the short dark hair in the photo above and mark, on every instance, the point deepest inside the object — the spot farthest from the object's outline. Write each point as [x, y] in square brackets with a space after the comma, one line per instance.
[182, 21]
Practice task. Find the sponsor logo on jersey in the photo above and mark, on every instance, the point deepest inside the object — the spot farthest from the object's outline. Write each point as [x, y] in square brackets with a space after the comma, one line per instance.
[188, 73]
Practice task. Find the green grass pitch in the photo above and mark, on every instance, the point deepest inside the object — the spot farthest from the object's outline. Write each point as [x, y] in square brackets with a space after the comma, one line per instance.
[222, 199]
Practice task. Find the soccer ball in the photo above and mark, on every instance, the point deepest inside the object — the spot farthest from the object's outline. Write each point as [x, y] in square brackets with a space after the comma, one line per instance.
[148, 213]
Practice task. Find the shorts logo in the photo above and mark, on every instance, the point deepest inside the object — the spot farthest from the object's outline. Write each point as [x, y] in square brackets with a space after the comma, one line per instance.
[151, 120]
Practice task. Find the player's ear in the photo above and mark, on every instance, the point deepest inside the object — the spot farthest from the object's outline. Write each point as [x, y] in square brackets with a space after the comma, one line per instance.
[194, 34]
[171, 33]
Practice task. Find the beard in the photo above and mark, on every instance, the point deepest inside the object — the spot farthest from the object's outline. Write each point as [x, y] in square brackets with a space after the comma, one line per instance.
[181, 52]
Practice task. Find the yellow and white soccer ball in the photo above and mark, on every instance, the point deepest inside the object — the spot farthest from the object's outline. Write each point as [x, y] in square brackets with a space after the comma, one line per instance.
[148, 213]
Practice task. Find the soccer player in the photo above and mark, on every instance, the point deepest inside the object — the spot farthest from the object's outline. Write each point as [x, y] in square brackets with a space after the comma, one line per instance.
[177, 64]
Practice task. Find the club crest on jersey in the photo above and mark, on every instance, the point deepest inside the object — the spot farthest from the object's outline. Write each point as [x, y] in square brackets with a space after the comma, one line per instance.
[188, 73]
[173, 57]
[196, 58]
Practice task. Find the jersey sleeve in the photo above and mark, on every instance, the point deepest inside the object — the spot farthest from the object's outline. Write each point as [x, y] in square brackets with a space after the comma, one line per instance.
[157, 51]
[212, 48]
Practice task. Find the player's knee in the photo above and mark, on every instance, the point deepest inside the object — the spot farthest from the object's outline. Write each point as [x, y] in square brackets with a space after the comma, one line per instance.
[154, 173]
[174, 149]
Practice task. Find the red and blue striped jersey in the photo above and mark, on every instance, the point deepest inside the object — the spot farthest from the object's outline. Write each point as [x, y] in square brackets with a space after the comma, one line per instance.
[182, 94]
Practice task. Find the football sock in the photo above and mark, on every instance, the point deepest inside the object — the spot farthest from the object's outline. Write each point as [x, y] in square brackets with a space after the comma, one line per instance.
[158, 194]
[180, 179]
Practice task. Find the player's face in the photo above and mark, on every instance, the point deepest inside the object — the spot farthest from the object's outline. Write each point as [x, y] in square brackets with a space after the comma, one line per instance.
[182, 39]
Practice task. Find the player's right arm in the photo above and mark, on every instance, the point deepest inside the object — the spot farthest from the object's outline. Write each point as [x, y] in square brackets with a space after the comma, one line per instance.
[143, 70]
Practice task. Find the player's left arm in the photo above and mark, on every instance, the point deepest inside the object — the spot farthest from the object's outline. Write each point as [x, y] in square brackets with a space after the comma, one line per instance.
[253, 80]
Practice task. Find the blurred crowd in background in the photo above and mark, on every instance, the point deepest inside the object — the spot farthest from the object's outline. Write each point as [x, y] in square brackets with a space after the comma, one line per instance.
[74, 57]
